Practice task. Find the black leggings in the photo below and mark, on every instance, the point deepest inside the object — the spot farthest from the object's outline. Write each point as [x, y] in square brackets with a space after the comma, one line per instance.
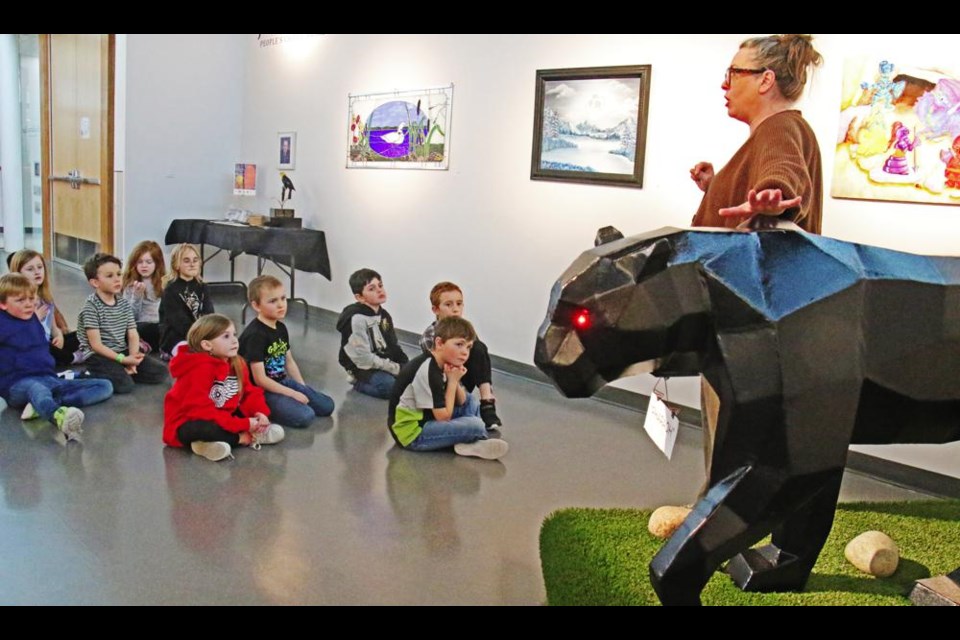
[204, 431]
[150, 333]
[478, 367]
[149, 371]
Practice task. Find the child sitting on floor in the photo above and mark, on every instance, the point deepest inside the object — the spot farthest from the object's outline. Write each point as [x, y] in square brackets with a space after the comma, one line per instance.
[429, 408]
[108, 332]
[369, 350]
[185, 297]
[142, 288]
[64, 344]
[212, 406]
[446, 301]
[27, 377]
[265, 344]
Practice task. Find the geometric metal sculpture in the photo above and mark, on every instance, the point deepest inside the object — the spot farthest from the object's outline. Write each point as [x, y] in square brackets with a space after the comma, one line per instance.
[939, 591]
[811, 344]
[607, 234]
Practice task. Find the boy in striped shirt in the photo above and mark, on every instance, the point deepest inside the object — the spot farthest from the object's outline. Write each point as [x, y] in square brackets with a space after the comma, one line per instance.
[107, 330]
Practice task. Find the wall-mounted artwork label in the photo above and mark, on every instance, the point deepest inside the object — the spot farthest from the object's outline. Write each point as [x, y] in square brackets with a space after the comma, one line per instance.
[899, 132]
[85, 128]
[400, 129]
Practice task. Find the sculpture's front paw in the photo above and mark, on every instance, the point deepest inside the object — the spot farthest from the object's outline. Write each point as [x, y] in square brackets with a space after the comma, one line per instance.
[767, 569]
[675, 590]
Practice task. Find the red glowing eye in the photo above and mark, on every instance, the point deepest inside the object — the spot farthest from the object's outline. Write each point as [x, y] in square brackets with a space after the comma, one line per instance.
[581, 319]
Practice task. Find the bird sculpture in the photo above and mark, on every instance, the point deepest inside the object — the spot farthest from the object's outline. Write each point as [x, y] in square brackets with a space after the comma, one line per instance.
[286, 193]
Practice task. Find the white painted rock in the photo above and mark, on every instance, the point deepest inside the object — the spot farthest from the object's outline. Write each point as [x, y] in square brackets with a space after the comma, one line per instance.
[665, 520]
[873, 552]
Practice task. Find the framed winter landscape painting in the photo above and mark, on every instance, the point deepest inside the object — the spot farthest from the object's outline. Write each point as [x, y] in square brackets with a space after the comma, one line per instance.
[590, 125]
[400, 129]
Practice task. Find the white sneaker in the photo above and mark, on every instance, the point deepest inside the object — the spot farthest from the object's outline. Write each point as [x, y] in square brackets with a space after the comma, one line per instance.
[486, 449]
[351, 379]
[70, 422]
[29, 413]
[214, 451]
[271, 435]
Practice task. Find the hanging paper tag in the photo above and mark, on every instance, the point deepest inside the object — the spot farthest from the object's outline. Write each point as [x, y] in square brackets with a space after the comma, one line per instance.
[661, 424]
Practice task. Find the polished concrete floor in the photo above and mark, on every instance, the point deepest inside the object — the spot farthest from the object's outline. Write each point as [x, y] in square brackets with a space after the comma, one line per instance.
[333, 515]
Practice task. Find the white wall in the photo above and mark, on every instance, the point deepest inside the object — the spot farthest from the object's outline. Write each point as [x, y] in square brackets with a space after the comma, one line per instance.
[182, 129]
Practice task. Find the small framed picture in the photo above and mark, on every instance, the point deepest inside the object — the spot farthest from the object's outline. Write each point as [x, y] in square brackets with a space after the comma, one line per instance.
[287, 143]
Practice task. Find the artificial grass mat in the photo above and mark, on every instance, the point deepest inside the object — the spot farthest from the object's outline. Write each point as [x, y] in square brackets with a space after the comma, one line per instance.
[601, 557]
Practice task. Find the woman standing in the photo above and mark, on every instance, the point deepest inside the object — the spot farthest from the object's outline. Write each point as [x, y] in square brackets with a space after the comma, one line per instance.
[776, 174]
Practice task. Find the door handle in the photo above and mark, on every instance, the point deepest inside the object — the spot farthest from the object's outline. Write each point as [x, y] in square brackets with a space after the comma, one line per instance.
[75, 179]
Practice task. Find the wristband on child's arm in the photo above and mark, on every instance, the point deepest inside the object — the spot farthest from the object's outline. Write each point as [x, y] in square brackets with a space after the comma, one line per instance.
[120, 358]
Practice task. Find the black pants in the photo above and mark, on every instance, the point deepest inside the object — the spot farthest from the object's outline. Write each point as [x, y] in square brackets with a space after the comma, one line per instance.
[150, 333]
[149, 371]
[205, 431]
[478, 367]
[64, 355]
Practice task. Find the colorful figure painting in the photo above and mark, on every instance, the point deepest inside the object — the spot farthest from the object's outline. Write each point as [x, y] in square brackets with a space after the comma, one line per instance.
[244, 179]
[400, 129]
[899, 133]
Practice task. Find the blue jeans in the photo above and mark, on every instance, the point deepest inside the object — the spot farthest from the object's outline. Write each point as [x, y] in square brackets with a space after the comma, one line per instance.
[49, 393]
[290, 413]
[464, 426]
[379, 385]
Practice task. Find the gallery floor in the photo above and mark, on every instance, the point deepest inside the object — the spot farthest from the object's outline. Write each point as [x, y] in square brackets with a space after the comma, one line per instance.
[333, 515]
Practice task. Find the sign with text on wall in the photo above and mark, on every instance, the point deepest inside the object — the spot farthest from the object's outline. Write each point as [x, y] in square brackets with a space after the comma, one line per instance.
[267, 40]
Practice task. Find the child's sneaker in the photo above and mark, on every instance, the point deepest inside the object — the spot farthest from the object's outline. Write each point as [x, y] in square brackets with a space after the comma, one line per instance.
[145, 347]
[79, 357]
[271, 435]
[488, 413]
[486, 449]
[70, 422]
[214, 451]
[29, 413]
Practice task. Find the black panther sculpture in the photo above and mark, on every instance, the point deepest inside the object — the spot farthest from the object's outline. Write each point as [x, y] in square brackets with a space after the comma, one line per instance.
[811, 344]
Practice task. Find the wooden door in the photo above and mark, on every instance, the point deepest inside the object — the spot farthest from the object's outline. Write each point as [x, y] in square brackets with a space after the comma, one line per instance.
[77, 140]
